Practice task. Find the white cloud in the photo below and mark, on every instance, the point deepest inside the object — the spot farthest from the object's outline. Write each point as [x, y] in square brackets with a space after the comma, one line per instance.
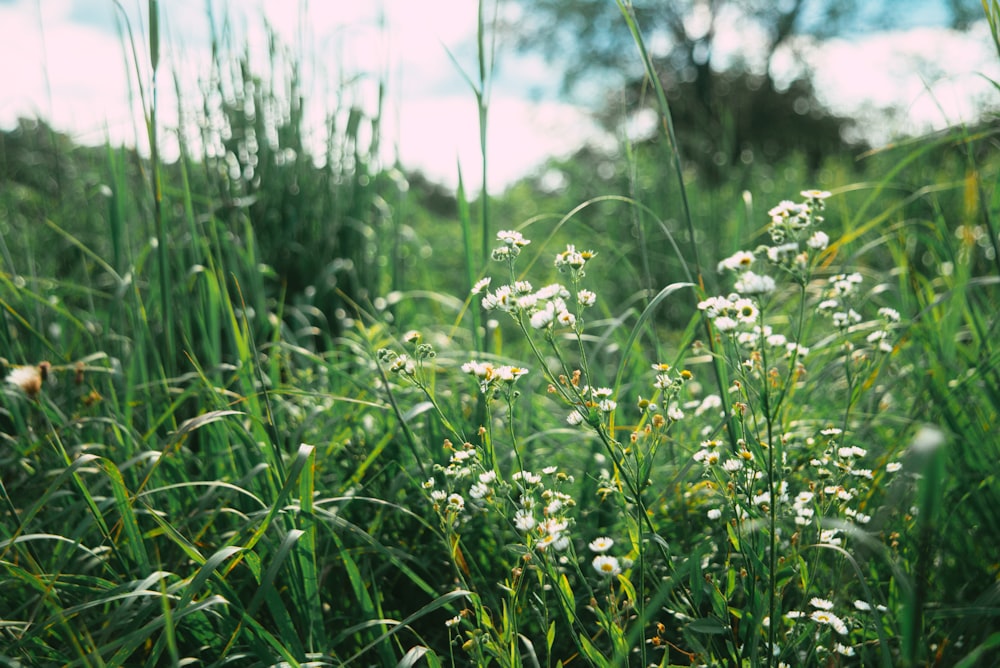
[79, 79]
[934, 76]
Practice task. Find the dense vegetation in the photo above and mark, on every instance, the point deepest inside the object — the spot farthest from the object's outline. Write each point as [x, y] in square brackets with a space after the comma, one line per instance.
[268, 407]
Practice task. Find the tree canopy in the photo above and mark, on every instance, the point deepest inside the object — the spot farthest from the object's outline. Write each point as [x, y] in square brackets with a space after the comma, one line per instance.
[727, 103]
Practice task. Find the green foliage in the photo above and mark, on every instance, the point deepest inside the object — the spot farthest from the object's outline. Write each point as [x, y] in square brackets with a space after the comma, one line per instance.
[206, 458]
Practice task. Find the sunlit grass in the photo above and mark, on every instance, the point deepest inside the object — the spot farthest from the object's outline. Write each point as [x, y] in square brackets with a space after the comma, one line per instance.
[242, 427]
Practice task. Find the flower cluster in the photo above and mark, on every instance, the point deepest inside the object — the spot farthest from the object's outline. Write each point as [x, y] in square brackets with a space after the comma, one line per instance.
[552, 306]
[492, 377]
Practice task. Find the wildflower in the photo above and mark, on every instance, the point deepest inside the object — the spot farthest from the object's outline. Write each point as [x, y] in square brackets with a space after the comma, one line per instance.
[512, 238]
[714, 307]
[844, 284]
[574, 418]
[815, 195]
[606, 565]
[746, 311]
[601, 545]
[892, 467]
[844, 650]
[586, 298]
[573, 258]
[28, 379]
[830, 619]
[821, 603]
[481, 284]
[819, 240]
[402, 364]
[566, 319]
[510, 373]
[889, 314]
[714, 514]
[542, 318]
[478, 490]
[527, 476]
[711, 402]
[478, 369]
[524, 520]
[782, 253]
[738, 261]
[453, 621]
[829, 536]
[725, 324]
[456, 502]
[754, 284]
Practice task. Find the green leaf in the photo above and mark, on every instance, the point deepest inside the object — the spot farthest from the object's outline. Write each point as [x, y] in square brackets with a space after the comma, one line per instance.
[708, 626]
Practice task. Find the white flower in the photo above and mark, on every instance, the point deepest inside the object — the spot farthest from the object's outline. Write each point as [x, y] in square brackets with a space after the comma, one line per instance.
[830, 619]
[803, 498]
[574, 418]
[510, 373]
[600, 545]
[746, 311]
[714, 514]
[892, 467]
[606, 565]
[829, 536]
[845, 650]
[607, 405]
[478, 490]
[453, 621]
[715, 306]
[821, 603]
[754, 284]
[512, 238]
[542, 318]
[725, 324]
[566, 319]
[527, 476]
[777, 254]
[456, 502]
[819, 240]
[889, 314]
[816, 195]
[586, 298]
[524, 520]
[738, 261]
[481, 284]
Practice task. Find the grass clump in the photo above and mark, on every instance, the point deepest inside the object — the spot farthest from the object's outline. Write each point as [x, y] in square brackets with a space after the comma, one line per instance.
[609, 451]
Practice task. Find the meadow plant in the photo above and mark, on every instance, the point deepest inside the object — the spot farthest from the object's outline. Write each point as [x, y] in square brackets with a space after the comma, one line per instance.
[776, 470]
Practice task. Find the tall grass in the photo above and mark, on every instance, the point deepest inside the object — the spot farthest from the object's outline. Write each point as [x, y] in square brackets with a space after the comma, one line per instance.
[237, 429]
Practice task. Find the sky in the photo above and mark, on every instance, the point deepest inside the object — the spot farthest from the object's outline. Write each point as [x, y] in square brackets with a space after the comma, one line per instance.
[66, 61]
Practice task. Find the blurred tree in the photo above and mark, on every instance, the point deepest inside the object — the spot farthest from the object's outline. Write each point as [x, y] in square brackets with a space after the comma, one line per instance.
[730, 110]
